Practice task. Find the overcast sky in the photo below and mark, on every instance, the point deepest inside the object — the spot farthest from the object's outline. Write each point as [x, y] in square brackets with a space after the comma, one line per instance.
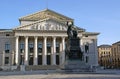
[93, 15]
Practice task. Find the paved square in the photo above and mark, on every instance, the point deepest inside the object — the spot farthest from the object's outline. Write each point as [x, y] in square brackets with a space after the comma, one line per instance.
[46, 74]
[62, 76]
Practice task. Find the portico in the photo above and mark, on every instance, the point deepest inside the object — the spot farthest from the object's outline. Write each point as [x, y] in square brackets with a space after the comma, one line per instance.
[39, 50]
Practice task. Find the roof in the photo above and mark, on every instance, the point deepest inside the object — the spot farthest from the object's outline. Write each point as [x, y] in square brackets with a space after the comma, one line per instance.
[5, 30]
[45, 14]
[104, 46]
[91, 33]
[116, 43]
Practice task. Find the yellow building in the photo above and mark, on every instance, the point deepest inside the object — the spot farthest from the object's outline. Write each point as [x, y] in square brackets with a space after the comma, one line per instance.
[116, 55]
[104, 56]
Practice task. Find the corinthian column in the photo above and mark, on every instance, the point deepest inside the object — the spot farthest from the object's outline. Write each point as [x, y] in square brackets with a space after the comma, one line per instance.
[44, 53]
[26, 50]
[35, 51]
[63, 50]
[17, 46]
[54, 52]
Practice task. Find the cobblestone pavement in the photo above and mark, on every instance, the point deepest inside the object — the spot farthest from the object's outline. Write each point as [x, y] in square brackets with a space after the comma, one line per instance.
[62, 76]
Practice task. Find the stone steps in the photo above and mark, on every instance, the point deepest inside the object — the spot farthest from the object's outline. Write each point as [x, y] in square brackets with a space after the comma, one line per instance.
[41, 67]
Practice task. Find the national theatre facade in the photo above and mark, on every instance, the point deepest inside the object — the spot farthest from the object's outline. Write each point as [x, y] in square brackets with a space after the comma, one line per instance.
[39, 42]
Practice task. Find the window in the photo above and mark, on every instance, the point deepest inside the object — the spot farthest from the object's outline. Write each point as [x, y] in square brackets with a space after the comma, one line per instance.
[87, 48]
[22, 47]
[7, 34]
[57, 48]
[7, 48]
[87, 59]
[31, 47]
[6, 60]
[40, 48]
[48, 48]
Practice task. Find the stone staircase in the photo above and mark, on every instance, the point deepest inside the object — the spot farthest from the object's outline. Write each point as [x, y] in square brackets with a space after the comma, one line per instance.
[41, 67]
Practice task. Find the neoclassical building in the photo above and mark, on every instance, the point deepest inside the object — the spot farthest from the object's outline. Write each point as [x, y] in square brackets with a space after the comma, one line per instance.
[40, 41]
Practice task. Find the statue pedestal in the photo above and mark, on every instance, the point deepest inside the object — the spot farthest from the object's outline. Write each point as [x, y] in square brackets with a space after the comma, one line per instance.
[74, 56]
[73, 50]
[76, 66]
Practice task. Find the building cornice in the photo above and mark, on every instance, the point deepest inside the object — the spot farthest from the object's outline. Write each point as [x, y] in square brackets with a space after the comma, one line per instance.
[6, 30]
[90, 33]
[49, 31]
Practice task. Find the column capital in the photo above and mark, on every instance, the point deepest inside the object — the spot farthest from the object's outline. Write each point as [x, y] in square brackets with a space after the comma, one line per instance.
[17, 36]
[26, 36]
[36, 37]
[54, 38]
[63, 37]
[44, 36]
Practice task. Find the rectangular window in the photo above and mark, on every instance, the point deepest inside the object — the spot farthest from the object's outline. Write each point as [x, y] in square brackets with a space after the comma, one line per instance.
[48, 48]
[22, 48]
[31, 47]
[87, 48]
[7, 34]
[57, 48]
[40, 48]
[87, 59]
[6, 60]
[7, 48]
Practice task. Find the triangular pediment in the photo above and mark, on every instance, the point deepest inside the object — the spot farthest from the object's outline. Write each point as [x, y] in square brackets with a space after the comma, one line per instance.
[46, 14]
[46, 24]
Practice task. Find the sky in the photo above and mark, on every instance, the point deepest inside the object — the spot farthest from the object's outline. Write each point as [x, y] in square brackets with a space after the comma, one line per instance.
[101, 16]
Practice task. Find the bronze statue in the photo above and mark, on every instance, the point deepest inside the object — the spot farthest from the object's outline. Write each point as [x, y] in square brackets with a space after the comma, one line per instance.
[73, 50]
[71, 31]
